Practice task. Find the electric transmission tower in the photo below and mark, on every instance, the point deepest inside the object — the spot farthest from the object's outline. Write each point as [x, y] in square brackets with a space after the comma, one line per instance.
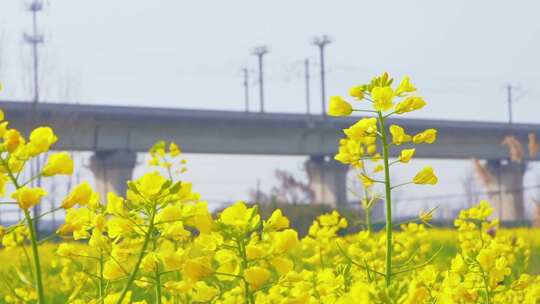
[260, 51]
[510, 101]
[307, 84]
[321, 42]
[514, 93]
[245, 84]
[35, 39]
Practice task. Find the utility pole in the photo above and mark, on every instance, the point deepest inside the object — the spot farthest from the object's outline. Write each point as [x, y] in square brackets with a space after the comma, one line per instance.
[34, 39]
[246, 88]
[258, 193]
[321, 42]
[509, 99]
[260, 51]
[306, 75]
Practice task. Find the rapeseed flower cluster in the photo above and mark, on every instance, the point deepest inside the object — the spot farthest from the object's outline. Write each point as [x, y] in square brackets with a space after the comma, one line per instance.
[159, 243]
[370, 139]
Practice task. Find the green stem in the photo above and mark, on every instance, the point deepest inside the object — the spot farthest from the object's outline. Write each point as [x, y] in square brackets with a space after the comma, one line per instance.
[242, 250]
[388, 201]
[101, 281]
[486, 284]
[33, 237]
[37, 217]
[158, 278]
[402, 184]
[158, 287]
[35, 253]
[177, 297]
[366, 111]
[367, 210]
[28, 261]
[369, 224]
[133, 274]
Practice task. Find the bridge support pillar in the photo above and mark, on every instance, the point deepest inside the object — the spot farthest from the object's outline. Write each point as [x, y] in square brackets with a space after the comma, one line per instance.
[505, 187]
[112, 169]
[328, 180]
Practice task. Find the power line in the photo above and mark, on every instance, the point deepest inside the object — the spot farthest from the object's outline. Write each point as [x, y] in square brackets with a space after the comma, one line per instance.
[301, 69]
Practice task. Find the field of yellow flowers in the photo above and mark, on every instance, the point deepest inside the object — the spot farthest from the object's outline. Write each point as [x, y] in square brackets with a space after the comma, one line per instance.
[158, 243]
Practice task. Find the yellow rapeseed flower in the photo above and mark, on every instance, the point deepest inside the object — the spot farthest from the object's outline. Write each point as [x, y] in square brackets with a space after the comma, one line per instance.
[4, 179]
[425, 177]
[178, 287]
[174, 150]
[12, 140]
[115, 204]
[405, 86]
[67, 249]
[81, 194]
[112, 271]
[277, 221]
[357, 92]
[150, 184]
[198, 216]
[150, 262]
[365, 127]
[113, 298]
[28, 197]
[339, 107]
[378, 168]
[78, 221]
[238, 215]
[382, 98]
[486, 258]
[195, 269]
[256, 276]
[172, 259]
[175, 231]
[366, 180]
[406, 155]
[398, 135]
[41, 140]
[204, 293]
[283, 265]
[410, 104]
[255, 251]
[118, 227]
[427, 136]
[428, 275]
[285, 240]
[58, 164]
[3, 128]
[426, 217]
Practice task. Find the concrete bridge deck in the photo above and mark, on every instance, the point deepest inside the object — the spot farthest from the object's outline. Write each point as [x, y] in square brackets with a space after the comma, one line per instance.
[105, 128]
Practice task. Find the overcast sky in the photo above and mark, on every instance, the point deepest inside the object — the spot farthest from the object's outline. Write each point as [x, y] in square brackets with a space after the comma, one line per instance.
[188, 54]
